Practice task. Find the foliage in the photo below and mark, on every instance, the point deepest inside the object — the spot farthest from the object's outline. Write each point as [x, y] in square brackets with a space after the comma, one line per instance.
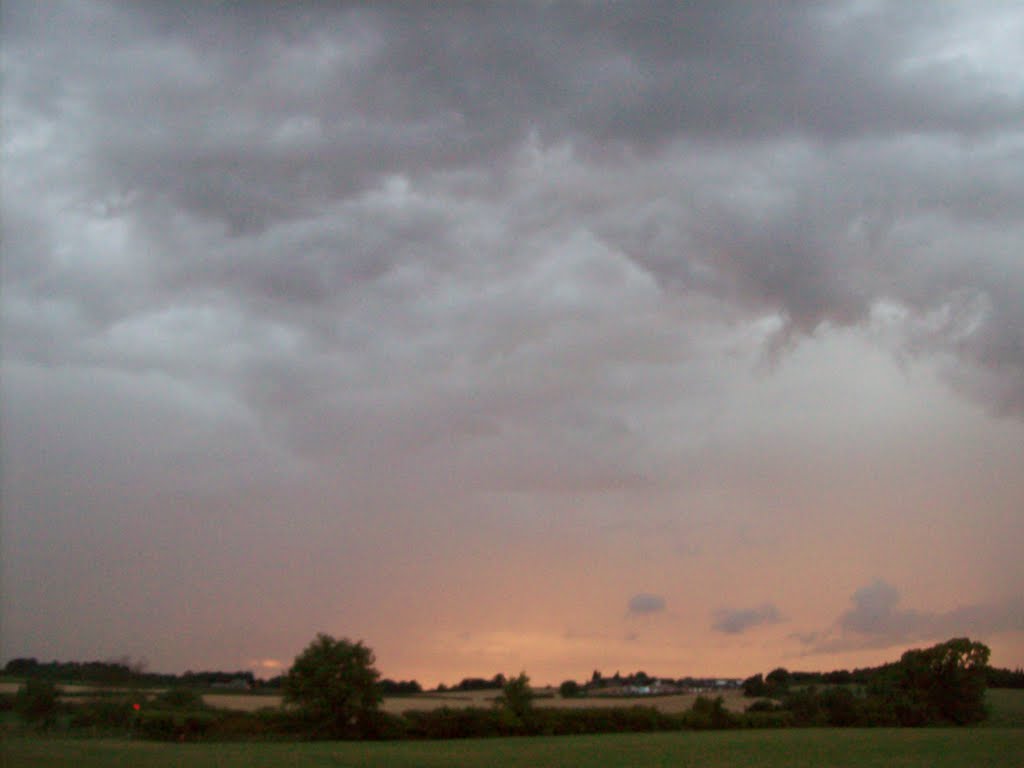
[124, 672]
[399, 687]
[709, 713]
[179, 698]
[163, 725]
[1005, 678]
[946, 681]
[943, 684]
[478, 684]
[516, 696]
[37, 702]
[778, 679]
[570, 689]
[104, 714]
[334, 685]
[754, 686]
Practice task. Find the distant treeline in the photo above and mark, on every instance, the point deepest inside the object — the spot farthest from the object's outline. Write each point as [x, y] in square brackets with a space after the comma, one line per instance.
[758, 685]
[125, 673]
[120, 673]
[495, 683]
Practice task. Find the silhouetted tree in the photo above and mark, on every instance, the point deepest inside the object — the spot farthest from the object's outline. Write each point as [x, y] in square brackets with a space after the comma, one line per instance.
[569, 689]
[334, 684]
[754, 686]
[777, 681]
[516, 696]
[949, 679]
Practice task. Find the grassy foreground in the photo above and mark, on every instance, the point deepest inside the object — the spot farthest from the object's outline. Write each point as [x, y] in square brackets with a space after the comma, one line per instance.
[817, 748]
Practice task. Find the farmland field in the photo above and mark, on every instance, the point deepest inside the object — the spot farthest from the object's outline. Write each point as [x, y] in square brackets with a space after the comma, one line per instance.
[799, 748]
[397, 704]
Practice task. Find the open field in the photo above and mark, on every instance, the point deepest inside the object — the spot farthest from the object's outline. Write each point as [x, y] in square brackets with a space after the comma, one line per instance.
[397, 704]
[798, 748]
[1006, 708]
[249, 702]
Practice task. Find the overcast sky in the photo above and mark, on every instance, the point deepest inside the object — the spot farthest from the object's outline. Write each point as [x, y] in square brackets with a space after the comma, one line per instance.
[527, 336]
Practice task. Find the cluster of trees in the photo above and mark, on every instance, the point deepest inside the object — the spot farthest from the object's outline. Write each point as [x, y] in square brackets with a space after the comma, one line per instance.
[944, 684]
[496, 683]
[399, 687]
[1005, 678]
[755, 685]
[125, 673]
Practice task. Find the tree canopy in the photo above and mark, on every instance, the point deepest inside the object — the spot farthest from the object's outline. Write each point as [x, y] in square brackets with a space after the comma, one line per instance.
[334, 684]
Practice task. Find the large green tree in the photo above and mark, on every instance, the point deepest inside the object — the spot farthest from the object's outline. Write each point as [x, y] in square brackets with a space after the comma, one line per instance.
[334, 684]
[948, 679]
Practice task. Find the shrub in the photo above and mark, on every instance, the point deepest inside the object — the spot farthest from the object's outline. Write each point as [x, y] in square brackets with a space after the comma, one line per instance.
[569, 689]
[448, 723]
[36, 702]
[706, 713]
[103, 714]
[165, 725]
[180, 698]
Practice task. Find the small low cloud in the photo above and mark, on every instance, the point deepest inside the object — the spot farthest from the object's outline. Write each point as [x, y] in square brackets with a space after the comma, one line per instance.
[876, 620]
[645, 603]
[736, 621]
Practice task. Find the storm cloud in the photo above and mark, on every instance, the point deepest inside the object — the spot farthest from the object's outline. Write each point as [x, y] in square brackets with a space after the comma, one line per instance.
[603, 282]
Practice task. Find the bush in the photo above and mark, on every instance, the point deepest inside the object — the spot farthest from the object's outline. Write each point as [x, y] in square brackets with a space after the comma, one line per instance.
[841, 707]
[763, 705]
[165, 725]
[103, 714]
[36, 702]
[569, 689]
[707, 714]
[180, 698]
[463, 723]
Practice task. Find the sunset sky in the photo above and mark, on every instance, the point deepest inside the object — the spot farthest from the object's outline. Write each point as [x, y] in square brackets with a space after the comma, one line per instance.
[682, 337]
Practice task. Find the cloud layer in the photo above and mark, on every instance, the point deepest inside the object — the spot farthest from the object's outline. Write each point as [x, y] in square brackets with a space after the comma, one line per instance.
[638, 296]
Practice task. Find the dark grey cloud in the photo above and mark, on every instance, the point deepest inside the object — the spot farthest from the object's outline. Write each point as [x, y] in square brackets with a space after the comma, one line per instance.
[877, 620]
[646, 603]
[248, 156]
[734, 621]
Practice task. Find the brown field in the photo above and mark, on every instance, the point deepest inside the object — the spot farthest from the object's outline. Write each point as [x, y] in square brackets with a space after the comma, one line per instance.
[734, 701]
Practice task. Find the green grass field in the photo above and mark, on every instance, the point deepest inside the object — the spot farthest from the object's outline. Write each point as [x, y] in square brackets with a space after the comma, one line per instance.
[1006, 708]
[799, 748]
